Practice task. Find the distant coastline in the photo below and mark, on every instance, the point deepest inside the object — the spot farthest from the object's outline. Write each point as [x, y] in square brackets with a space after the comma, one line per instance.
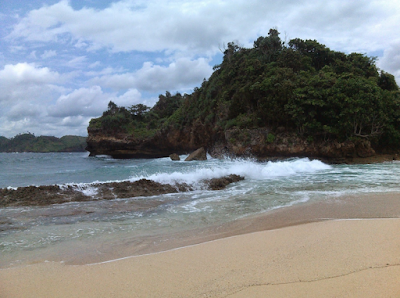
[28, 142]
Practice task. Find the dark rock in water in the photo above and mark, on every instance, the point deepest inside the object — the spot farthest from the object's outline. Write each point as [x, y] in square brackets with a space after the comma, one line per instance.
[174, 156]
[138, 188]
[221, 183]
[53, 194]
[199, 154]
[32, 195]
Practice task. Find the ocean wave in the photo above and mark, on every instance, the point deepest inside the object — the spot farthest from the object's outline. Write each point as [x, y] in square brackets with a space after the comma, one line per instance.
[249, 169]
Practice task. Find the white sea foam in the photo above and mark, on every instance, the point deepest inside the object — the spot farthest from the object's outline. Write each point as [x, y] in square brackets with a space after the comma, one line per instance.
[85, 188]
[246, 168]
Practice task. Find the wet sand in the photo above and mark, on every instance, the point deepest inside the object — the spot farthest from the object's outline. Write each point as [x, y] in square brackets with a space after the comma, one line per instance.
[309, 250]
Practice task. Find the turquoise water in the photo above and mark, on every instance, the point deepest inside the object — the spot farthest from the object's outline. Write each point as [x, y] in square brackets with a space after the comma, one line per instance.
[27, 232]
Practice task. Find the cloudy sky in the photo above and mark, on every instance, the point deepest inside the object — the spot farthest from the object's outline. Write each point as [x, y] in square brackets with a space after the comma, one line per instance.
[62, 61]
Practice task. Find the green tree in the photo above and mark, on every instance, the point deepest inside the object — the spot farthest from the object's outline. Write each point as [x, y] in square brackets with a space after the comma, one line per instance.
[112, 108]
[387, 82]
[269, 46]
[138, 111]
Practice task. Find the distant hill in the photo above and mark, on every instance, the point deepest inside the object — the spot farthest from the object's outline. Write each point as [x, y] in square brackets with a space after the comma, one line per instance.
[28, 142]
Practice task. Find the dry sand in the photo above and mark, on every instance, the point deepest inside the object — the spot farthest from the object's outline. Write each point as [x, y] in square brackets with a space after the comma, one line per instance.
[330, 258]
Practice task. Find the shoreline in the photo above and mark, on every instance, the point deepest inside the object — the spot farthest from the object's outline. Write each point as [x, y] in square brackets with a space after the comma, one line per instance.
[294, 261]
[362, 206]
[329, 248]
[352, 207]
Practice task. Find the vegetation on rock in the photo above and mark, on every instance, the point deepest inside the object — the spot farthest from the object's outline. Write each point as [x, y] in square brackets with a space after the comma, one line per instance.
[138, 120]
[301, 87]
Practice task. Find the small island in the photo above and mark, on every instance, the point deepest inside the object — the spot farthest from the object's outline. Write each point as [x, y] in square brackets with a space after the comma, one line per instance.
[28, 142]
[276, 99]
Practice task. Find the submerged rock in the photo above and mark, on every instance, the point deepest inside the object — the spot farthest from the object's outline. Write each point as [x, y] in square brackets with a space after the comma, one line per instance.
[54, 194]
[174, 156]
[199, 154]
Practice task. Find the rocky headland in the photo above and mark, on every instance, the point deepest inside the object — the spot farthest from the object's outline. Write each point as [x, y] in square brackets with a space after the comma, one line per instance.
[275, 100]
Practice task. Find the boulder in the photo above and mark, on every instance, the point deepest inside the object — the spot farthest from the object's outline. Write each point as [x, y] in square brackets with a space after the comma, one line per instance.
[199, 154]
[174, 156]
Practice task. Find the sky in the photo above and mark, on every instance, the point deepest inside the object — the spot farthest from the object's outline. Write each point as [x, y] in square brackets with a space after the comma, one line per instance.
[63, 61]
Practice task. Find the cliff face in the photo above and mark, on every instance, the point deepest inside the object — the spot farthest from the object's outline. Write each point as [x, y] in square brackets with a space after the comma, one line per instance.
[162, 144]
[259, 143]
[263, 144]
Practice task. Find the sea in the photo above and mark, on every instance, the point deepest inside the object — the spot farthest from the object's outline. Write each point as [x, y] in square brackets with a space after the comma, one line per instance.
[61, 232]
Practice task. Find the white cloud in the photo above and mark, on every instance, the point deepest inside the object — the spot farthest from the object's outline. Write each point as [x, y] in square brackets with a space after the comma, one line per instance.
[95, 64]
[390, 61]
[81, 44]
[81, 102]
[104, 71]
[201, 26]
[24, 110]
[27, 73]
[344, 25]
[26, 89]
[25, 81]
[15, 49]
[90, 102]
[48, 54]
[55, 127]
[150, 26]
[181, 74]
[129, 98]
[77, 62]
[32, 55]
[75, 121]
[41, 24]
[26, 102]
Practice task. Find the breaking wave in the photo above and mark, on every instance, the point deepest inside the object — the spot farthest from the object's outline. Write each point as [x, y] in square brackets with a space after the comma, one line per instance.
[247, 168]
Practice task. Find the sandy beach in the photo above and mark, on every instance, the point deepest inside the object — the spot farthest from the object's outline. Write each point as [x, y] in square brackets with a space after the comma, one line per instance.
[342, 248]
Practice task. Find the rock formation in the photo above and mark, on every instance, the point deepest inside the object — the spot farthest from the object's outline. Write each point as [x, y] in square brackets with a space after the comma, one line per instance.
[174, 157]
[199, 154]
[221, 183]
[233, 142]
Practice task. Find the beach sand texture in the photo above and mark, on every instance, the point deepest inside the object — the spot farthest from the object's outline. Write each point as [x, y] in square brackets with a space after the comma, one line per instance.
[334, 258]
